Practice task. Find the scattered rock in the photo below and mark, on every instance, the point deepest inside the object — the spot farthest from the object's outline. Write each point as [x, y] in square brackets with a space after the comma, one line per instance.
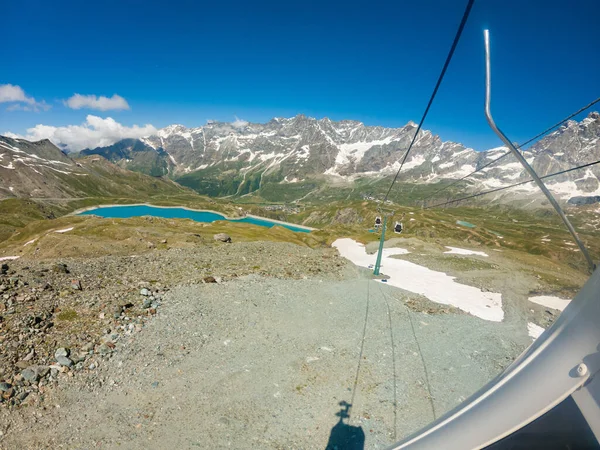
[61, 352]
[3, 269]
[87, 347]
[8, 393]
[104, 349]
[23, 364]
[76, 285]
[64, 361]
[209, 280]
[145, 292]
[60, 268]
[30, 374]
[147, 303]
[117, 311]
[223, 237]
[29, 355]
[5, 387]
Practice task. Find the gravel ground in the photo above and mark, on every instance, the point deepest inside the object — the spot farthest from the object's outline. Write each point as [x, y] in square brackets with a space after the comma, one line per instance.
[85, 305]
[264, 360]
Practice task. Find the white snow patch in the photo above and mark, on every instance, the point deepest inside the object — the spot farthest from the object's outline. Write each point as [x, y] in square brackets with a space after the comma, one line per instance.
[6, 258]
[267, 156]
[436, 286]
[304, 152]
[550, 301]
[357, 150]
[148, 142]
[64, 231]
[415, 162]
[465, 169]
[462, 251]
[535, 331]
[29, 242]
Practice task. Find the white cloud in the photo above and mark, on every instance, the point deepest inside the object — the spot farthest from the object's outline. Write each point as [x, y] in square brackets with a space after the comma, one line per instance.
[36, 107]
[101, 103]
[95, 132]
[10, 93]
[239, 123]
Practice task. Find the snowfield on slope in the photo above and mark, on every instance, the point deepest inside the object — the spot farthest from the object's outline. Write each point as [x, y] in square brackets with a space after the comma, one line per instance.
[436, 286]
[462, 251]
[8, 258]
[535, 331]
[550, 301]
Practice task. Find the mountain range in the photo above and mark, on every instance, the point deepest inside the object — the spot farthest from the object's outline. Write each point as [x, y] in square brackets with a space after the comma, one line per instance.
[223, 159]
[236, 159]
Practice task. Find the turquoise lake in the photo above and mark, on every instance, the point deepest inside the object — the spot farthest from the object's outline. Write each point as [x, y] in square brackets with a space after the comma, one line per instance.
[126, 211]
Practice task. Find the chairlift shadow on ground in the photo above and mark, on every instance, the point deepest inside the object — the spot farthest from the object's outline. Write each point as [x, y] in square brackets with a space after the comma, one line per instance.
[344, 436]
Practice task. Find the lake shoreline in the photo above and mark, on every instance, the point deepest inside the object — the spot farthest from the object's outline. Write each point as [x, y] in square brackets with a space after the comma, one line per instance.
[232, 219]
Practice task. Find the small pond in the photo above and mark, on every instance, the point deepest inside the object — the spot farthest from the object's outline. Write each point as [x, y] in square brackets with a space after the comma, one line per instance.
[465, 224]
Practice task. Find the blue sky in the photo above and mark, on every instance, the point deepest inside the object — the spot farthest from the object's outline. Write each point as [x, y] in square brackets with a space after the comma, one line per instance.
[377, 62]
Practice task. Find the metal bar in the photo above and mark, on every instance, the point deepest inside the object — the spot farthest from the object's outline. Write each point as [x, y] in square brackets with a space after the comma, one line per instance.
[521, 158]
[379, 253]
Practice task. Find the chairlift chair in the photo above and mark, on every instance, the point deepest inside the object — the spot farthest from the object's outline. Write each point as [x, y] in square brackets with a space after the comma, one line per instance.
[398, 228]
[377, 221]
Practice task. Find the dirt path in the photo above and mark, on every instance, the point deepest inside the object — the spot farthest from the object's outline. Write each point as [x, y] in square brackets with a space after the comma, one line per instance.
[264, 363]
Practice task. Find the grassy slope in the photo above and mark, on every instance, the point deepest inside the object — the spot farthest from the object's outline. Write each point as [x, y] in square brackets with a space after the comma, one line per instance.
[321, 204]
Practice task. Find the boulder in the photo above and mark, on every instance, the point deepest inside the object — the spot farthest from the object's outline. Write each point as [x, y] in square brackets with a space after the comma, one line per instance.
[222, 237]
[61, 352]
[60, 268]
[64, 361]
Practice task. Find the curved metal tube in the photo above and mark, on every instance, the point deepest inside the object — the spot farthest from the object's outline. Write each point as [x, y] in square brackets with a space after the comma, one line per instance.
[521, 158]
[539, 379]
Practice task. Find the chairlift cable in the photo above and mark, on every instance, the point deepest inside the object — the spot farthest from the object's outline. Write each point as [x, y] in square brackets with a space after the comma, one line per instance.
[511, 186]
[362, 346]
[425, 370]
[537, 136]
[439, 81]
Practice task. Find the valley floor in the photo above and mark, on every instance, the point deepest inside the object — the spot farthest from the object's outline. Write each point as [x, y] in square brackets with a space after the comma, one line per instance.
[263, 358]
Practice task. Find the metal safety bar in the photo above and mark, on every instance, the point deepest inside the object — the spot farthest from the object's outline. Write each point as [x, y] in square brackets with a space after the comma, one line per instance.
[521, 158]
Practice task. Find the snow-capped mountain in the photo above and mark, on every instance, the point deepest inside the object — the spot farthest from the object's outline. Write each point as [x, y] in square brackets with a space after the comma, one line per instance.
[241, 156]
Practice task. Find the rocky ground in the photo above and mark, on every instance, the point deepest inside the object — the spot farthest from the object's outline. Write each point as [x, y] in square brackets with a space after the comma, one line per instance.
[59, 317]
[241, 345]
